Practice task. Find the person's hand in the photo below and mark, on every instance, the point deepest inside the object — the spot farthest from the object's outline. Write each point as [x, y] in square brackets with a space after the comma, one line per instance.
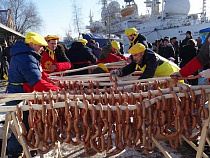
[205, 73]
[115, 72]
[175, 75]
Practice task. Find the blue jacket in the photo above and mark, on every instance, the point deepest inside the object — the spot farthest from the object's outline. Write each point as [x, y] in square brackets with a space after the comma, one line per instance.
[24, 67]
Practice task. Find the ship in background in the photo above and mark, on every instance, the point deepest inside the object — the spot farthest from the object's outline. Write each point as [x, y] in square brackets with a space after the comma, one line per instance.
[173, 20]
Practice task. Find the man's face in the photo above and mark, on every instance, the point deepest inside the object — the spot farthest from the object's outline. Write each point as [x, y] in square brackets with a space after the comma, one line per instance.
[187, 35]
[165, 43]
[37, 48]
[173, 40]
[137, 57]
[52, 44]
[130, 37]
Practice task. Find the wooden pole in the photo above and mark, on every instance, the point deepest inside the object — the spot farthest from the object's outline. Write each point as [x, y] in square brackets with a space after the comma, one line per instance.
[5, 134]
[204, 131]
[88, 67]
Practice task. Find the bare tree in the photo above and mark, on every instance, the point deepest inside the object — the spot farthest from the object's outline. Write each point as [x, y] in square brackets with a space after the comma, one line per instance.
[24, 13]
[77, 17]
[68, 35]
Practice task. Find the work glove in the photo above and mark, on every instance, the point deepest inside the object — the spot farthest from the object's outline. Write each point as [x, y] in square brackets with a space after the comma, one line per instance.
[115, 72]
[205, 73]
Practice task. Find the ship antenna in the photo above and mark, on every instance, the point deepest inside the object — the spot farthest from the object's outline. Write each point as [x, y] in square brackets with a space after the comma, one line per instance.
[204, 8]
[91, 18]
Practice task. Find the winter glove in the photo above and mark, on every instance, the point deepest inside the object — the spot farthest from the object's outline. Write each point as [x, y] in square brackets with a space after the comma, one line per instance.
[205, 73]
[115, 72]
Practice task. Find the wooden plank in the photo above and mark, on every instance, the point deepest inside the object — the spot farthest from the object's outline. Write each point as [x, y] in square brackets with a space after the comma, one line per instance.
[165, 153]
[5, 134]
[20, 136]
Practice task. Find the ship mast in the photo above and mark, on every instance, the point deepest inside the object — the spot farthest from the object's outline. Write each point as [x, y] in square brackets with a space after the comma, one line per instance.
[204, 8]
[154, 6]
[203, 14]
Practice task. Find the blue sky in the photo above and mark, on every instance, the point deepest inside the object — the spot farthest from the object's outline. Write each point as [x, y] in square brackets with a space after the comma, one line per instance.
[57, 15]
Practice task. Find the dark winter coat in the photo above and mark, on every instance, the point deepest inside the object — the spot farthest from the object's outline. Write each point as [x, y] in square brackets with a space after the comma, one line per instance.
[80, 56]
[150, 59]
[184, 42]
[187, 53]
[24, 67]
[139, 39]
[167, 51]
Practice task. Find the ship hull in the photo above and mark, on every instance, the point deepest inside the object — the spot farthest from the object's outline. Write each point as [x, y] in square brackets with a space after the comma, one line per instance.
[178, 32]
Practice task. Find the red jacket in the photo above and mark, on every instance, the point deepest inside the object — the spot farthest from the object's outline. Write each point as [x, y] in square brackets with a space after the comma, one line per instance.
[41, 85]
[60, 60]
[112, 58]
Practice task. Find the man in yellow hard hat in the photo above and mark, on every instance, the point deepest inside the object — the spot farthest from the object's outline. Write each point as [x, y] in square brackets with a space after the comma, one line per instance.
[25, 76]
[112, 47]
[54, 57]
[150, 63]
[135, 37]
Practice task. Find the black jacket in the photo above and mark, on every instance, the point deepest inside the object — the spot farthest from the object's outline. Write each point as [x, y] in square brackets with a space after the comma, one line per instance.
[187, 53]
[80, 55]
[150, 59]
[139, 39]
[167, 51]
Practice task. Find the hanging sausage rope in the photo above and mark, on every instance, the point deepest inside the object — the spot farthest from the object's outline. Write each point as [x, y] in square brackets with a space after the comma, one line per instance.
[91, 113]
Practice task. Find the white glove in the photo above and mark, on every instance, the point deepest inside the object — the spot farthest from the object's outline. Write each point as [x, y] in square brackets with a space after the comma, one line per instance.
[205, 73]
[115, 72]
[175, 74]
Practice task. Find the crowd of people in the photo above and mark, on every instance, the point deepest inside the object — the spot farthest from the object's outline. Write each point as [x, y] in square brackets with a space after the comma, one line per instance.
[31, 61]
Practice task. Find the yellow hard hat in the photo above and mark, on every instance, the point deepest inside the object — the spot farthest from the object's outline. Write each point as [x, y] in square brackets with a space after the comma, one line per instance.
[35, 38]
[51, 37]
[115, 44]
[130, 31]
[137, 48]
[84, 41]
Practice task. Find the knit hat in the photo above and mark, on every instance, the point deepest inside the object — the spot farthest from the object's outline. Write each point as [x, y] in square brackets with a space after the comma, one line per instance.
[115, 44]
[130, 31]
[51, 37]
[35, 38]
[84, 41]
[137, 48]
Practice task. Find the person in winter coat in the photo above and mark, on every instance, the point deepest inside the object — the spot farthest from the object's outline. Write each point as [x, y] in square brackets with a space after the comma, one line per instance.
[135, 37]
[81, 56]
[166, 50]
[201, 60]
[150, 63]
[110, 52]
[188, 52]
[7, 51]
[188, 37]
[175, 45]
[54, 58]
[25, 76]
